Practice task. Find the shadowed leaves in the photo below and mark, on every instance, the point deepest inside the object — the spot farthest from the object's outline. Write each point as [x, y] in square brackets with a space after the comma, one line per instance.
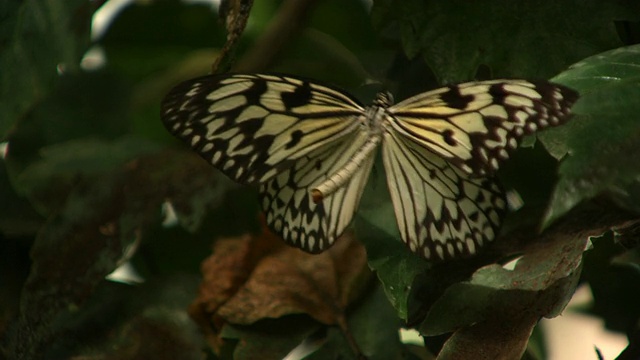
[101, 222]
[494, 312]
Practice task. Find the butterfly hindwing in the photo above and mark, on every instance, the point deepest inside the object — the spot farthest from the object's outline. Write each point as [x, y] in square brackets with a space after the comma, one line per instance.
[290, 210]
[253, 126]
[441, 212]
[477, 125]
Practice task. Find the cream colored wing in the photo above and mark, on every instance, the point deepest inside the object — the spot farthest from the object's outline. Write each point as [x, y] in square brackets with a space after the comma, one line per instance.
[441, 212]
[477, 125]
[290, 209]
[254, 126]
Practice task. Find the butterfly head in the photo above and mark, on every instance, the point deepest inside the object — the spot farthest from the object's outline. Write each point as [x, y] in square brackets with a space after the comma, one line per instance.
[384, 99]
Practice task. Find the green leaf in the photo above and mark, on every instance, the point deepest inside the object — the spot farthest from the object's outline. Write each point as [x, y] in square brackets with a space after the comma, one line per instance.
[616, 294]
[87, 156]
[269, 339]
[102, 219]
[348, 21]
[17, 216]
[338, 64]
[614, 283]
[375, 325]
[395, 265]
[155, 46]
[336, 46]
[532, 172]
[147, 38]
[47, 181]
[335, 347]
[546, 275]
[133, 322]
[75, 250]
[66, 134]
[14, 269]
[599, 140]
[83, 105]
[512, 38]
[39, 39]
[205, 205]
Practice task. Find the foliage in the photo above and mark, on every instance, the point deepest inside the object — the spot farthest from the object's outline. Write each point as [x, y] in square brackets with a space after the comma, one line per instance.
[92, 180]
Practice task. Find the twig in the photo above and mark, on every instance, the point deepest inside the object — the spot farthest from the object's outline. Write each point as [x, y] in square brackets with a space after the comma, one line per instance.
[290, 18]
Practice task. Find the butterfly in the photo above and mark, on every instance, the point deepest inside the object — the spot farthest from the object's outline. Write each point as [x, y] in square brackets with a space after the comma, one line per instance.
[310, 148]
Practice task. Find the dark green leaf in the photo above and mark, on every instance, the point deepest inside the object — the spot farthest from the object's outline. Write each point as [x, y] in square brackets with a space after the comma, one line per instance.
[545, 275]
[271, 339]
[83, 108]
[375, 325]
[102, 218]
[147, 38]
[38, 40]
[71, 255]
[376, 228]
[615, 285]
[87, 156]
[600, 139]
[17, 216]
[335, 347]
[512, 38]
[337, 47]
[133, 322]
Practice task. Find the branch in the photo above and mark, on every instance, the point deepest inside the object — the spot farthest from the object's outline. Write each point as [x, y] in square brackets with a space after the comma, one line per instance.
[287, 22]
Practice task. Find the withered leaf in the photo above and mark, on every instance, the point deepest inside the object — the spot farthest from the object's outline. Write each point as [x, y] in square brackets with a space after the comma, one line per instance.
[251, 278]
[498, 339]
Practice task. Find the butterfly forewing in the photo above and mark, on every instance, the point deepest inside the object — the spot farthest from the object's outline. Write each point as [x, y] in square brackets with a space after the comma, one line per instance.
[290, 210]
[441, 212]
[477, 125]
[253, 127]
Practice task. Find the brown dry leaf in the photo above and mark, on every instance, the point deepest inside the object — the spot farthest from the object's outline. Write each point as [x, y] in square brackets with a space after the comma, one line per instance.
[496, 339]
[257, 277]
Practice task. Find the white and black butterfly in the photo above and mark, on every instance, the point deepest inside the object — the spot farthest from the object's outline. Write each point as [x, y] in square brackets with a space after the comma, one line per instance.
[310, 148]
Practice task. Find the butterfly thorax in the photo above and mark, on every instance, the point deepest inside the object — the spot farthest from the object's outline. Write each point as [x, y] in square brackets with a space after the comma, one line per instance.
[376, 113]
[383, 99]
[367, 141]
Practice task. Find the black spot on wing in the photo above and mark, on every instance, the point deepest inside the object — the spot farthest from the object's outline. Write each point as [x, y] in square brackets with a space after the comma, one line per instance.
[257, 89]
[296, 136]
[300, 96]
[455, 100]
[447, 136]
[497, 93]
